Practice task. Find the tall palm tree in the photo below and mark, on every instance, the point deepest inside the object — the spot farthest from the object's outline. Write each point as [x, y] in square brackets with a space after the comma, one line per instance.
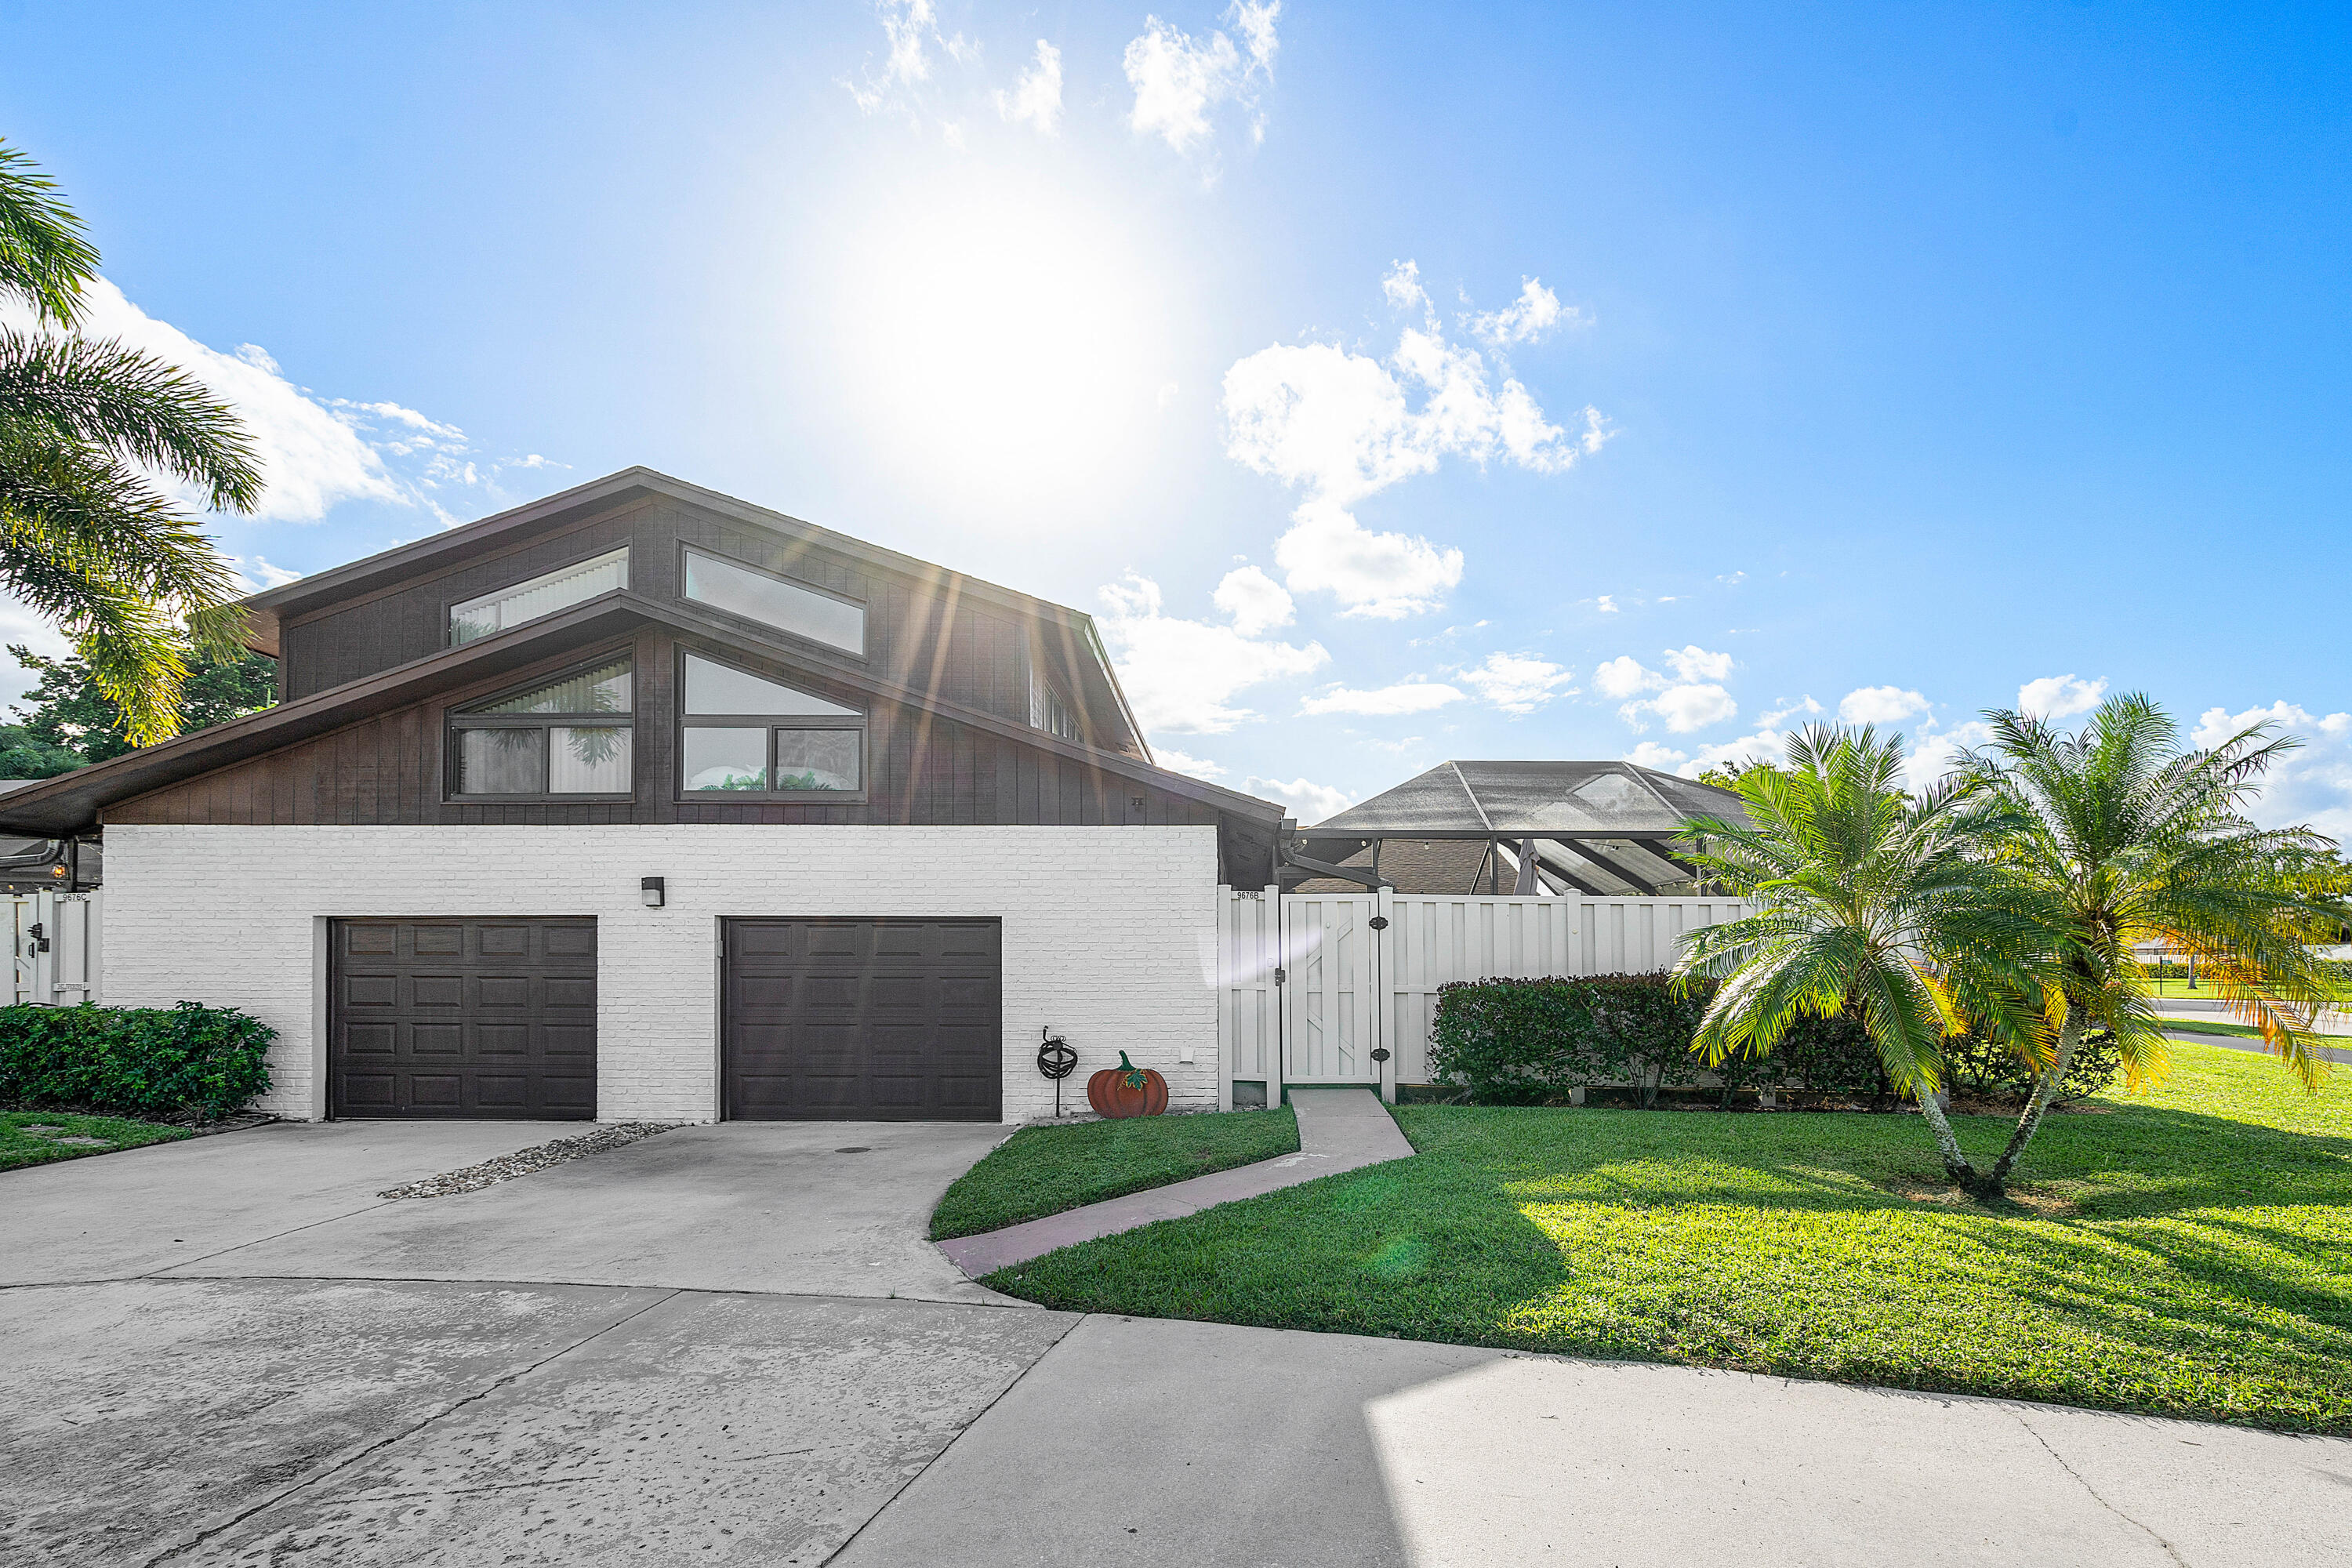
[2130, 839]
[86, 538]
[1870, 902]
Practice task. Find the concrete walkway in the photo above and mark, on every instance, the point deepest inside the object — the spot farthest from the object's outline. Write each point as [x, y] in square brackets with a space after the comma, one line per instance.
[1338, 1130]
[2240, 1043]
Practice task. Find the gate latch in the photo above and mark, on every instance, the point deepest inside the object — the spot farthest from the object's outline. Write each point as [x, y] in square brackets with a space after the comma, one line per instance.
[1281, 977]
[1379, 1053]
[1378, 922]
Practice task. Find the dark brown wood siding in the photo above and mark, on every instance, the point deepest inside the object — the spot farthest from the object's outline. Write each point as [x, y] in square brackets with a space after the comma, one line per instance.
[950, 645]
[923, 769]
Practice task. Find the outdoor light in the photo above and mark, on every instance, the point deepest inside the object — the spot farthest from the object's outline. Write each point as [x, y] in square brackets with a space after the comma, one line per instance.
[651, 888]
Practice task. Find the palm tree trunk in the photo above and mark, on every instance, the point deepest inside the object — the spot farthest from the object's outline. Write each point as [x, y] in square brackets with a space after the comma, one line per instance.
[2045, 1089]
[1955, 1165]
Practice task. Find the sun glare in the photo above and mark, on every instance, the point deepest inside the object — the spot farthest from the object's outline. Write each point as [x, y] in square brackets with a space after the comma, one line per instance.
[1005, 338]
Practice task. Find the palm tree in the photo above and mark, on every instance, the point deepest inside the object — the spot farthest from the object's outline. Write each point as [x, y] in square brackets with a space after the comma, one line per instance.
[1868, 902]
[2129, 838]
[85, 538]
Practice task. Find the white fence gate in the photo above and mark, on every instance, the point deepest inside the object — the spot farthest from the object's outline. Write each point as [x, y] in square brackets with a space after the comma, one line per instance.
[1342, 987]
[56, 945]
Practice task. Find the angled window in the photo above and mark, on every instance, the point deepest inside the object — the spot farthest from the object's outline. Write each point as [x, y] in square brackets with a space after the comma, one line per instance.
[542, 595]
[744, 735]
[777, 602]
[1047, 712]
[569, 737]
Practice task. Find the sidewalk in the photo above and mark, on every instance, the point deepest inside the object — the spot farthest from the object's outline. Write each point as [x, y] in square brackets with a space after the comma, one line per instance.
[1338, 1130]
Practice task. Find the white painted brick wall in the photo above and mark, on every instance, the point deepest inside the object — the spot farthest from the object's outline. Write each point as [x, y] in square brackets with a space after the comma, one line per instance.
[1109, 933]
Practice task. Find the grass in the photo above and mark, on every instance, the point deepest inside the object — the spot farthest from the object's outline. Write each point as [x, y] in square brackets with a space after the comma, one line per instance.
[1045, 1170]
[2184, 1251]
[20, 1145]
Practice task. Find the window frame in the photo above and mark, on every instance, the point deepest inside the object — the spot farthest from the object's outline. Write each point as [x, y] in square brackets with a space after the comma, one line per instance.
[681, 721]
[449, 607]
[862, 653]
[454, 723]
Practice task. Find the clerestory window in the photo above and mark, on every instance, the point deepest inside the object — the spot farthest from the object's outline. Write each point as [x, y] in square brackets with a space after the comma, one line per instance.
[742, 734]
[567, 738]
[542, 595]
[777, 602]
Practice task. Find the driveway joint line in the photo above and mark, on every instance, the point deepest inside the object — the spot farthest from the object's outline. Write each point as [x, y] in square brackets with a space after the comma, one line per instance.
[2169, 1549]
[900, 1490]
[256, 1241]
[450, 1409]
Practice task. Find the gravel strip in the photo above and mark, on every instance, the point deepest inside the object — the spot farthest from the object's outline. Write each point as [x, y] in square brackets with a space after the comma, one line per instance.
[523, 1162]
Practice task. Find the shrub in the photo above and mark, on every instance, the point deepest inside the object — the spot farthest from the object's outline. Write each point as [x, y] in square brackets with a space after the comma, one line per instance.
[186, 1061]
[1530, 1042]
[1990, 1068]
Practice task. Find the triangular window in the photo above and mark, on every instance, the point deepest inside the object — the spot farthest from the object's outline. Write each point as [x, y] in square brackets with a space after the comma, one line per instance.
[714, 689]
[601, 690]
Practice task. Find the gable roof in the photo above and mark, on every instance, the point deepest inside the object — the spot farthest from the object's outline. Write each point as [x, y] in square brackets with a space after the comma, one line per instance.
[1532, 799]
[69, 802]
[266, 611]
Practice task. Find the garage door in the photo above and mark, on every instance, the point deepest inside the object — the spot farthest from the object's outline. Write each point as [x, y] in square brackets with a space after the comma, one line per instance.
[490, 1018]
[863, 1019]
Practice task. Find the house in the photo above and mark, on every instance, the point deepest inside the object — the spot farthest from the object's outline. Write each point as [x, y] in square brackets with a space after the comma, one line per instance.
[1500, 828]
[641, 801]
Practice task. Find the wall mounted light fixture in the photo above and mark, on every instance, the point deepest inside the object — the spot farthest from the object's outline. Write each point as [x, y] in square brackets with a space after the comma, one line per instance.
[651, 888]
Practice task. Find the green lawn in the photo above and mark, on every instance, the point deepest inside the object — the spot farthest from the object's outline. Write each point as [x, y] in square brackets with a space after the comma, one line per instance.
[2186, 1251]
[20, 1145]
[1044, 1170]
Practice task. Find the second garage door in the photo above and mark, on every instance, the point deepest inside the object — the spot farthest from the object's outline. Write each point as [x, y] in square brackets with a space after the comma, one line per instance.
[897, 1020]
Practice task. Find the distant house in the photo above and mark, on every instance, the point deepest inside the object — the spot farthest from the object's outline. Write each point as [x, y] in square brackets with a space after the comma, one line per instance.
[641, 801]
[1529, 829]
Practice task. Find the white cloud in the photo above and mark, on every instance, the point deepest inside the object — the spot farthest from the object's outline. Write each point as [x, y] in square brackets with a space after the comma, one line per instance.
[311, 458]
[911, 28]
[1657, 754]
[1624, 676]
[1385, 701]
[1340, 426]
[262, 574]
[1773, 718]
[1311, 802]
[1694, 663]
[1256, 602]
[1179, 79]
[1525, 320]
[1179, 763]
[1933, 756]
[2311, 784]
[1181, 675]
[1517, 682]
[1607, 603]
[1402, 287]
[1691, 706]
[2060, 696]
[1880, 705]
[1036, 95]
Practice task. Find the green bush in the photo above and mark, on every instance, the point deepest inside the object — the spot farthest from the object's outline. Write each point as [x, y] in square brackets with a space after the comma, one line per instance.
[1992, 1070]
[186, 1061]
[1530, 1042]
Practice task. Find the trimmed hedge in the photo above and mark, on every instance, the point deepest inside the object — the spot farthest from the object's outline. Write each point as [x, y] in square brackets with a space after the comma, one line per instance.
[1531, 1042]
[188, 1061]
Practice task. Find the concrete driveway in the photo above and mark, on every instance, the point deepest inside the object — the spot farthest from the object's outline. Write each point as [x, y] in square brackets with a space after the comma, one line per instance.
[729, 1344]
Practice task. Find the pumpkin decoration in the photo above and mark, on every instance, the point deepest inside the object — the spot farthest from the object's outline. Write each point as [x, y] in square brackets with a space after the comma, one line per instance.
[1128, 1090]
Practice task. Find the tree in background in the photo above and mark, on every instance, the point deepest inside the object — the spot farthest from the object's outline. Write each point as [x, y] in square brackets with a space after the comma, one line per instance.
[85, 538]
[69, 722]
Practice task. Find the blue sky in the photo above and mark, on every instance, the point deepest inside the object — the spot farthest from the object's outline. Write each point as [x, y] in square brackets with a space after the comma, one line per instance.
[1751, 362]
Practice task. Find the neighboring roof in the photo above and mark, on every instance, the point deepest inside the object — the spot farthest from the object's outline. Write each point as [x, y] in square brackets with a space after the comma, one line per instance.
[71, 802]
[267, 609]
[1531, 799]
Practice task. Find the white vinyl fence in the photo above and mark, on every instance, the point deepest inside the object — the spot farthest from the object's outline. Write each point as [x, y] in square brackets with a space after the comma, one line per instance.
[1342, 987]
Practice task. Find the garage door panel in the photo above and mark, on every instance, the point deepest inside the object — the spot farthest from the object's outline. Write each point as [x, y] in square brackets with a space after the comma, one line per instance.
[863, 1018]
[458, 1017]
